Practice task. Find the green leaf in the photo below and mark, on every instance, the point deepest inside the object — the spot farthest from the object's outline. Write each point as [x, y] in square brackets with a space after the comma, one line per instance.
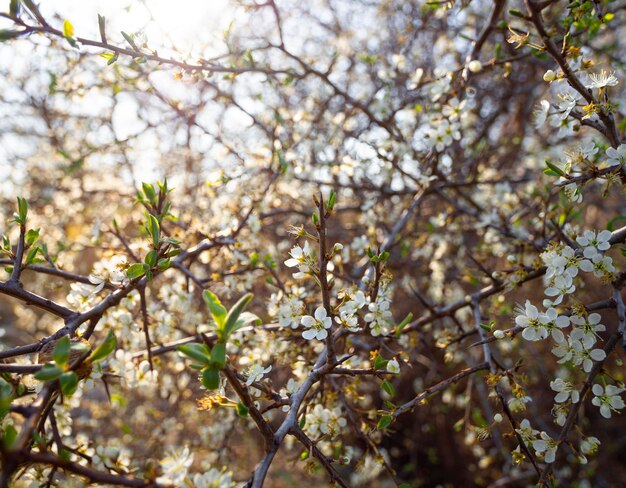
[68, 28]
[218, 354]
[211, 378]
[81, 347]
[113, 59]
[22, 211]
[135, 271]
[242, 410]
[9, 434]
[8, 34]
[218, 311]
[148, 190]
[171, 240]
[555, 168]
[31, 254]
[384, 422]
[196, 351]
[101, 28]
[404, 323]
[151, 258]
[282, 161]
[130, 40]
[235, 312]
[244, 319]
[48, 372]
[380, 362]
[331, 200]
[6, 390]
[388, 387]
[14, 8]
[61, 352]
[6, 397]
[69, 382]
[104, 349]
[31, 236]
[154, 230]
[611, 225]
[163, 264]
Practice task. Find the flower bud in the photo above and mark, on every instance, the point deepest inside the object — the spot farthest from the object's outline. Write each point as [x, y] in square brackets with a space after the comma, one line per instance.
[549, 76]
[475, 66]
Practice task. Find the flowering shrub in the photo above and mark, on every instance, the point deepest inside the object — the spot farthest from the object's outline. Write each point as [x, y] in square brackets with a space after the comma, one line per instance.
[382, 249]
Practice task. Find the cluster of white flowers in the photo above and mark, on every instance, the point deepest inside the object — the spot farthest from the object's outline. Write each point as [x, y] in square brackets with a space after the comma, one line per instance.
[593, 248]
[562, 266]
[324, 421]
[545, 447]
[583, 159]
[111, 457]
[82, 297]
[134, 375]
[578, 347]
[288, 310]
[563, 263]
[213, 478]
[111, 270]
[379, 316]
[538, 326]
[442, 133]
[575, 352]
[348, 312]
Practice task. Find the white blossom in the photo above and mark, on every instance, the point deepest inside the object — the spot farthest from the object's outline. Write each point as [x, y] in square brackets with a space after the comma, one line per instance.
[593, 244]
[565, 391]
[586, 329]
[601, 80]
[589, 445]
[608, 399]
[175, 467]
[256, 373]
[317, 325]
[545, 447]
[379, 316]
[302, 258]
[617, 156]
[393, 366]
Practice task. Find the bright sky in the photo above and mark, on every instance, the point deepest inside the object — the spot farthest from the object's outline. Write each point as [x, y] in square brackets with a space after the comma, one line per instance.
[184, 22]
